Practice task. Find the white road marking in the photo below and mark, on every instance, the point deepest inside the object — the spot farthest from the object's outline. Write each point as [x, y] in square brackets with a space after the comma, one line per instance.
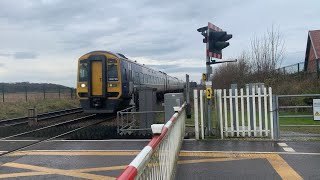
[288, 149]
[282, 144]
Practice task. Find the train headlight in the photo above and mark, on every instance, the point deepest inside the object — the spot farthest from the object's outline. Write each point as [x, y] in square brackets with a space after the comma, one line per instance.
[112, 85]
[83, 85]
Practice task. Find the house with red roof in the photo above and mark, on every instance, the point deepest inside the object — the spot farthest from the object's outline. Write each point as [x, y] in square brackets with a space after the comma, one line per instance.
[312, 59]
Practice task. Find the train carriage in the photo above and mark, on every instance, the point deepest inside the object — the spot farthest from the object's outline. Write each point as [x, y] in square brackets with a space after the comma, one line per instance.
[106, 81]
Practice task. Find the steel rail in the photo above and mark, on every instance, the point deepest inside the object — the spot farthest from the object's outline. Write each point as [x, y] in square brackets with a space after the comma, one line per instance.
[44, 116]
[57, 136]
[46, 127]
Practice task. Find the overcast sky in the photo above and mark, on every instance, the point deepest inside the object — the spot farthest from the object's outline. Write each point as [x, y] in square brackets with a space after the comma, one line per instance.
[41, 40]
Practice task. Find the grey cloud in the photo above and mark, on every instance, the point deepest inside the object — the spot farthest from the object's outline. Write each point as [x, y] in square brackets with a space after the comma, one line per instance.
[152, 29]
[2, 64]
[25, 55]
[157, 29]
[5, 54]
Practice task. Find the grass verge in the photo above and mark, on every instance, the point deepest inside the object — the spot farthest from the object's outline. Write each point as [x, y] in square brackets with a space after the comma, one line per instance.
[18, 109]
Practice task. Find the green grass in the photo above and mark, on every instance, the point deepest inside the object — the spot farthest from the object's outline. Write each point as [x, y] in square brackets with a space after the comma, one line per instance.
[18, 109]
[297, 121]
[283, 121]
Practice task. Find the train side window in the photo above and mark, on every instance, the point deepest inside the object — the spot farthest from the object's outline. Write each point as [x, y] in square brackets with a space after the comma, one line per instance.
[136, 78]
[125, 74]
[141, 78]
[145, 78]
[130, 75]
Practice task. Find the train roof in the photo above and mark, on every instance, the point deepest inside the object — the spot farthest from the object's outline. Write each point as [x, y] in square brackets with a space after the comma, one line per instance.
[123, 57]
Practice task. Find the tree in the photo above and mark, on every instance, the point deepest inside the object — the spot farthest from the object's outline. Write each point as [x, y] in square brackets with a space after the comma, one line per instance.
[267, 53]
[256, 65]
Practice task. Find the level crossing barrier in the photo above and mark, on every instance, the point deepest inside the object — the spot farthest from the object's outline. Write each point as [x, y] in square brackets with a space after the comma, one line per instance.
[158, 160]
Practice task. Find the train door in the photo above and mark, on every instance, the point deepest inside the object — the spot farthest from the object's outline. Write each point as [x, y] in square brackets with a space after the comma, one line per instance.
[130, 78]
[97, 75]
[96, 78]
[125, 80]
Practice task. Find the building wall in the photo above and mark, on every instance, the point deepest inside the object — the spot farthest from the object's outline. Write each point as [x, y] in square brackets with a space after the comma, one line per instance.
[312, 64]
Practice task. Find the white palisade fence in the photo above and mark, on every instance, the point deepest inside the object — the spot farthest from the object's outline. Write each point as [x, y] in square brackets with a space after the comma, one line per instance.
[243, 113]
[158, 160]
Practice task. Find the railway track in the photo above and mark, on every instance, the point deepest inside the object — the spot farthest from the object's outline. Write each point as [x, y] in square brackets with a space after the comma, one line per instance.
[40, 117]
[90, 118]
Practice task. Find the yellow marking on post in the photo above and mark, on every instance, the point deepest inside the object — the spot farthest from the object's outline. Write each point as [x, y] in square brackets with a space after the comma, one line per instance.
[57, 171]
[209, 93]
[204, 77]
[283, 168]
[75, 153]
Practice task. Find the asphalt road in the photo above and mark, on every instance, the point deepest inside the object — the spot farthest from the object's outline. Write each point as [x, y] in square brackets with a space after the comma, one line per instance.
[209, 159]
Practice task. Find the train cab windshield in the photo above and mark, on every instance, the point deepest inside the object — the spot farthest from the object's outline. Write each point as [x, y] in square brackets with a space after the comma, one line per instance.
[83, 71]
[112, 72]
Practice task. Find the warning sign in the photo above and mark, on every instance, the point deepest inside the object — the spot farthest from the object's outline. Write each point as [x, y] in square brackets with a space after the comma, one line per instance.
[316, 109]
[209, 93]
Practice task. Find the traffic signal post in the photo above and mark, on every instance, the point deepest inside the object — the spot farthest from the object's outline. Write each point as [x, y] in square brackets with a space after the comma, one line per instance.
[215, 39]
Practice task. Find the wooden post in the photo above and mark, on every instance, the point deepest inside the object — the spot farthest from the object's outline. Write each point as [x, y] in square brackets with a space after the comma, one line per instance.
[26, 93]
[44, 92]
[2, 92]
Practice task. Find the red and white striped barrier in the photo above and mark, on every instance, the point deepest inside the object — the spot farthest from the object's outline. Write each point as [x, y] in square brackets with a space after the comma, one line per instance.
[159, 158]
[214, 55]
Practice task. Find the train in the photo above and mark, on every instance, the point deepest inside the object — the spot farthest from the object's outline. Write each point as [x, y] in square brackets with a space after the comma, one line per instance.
[107, 81]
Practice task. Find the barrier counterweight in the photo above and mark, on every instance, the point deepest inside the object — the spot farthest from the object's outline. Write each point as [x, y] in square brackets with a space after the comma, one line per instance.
[158, 159]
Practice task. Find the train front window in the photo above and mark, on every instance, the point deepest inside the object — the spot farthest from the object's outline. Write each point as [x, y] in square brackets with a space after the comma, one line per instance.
[83, 71]
[112, 72]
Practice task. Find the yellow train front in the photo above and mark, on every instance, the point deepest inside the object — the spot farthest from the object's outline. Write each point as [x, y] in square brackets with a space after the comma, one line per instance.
[106, 81]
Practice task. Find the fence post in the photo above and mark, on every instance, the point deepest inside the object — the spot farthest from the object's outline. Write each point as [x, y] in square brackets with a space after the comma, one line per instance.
[59, 92]
[201, 114]
[196, 118]
[276, 126]
[26, 93]
[318, 73]
[44, 92]
[2, 92]
[71, 93]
